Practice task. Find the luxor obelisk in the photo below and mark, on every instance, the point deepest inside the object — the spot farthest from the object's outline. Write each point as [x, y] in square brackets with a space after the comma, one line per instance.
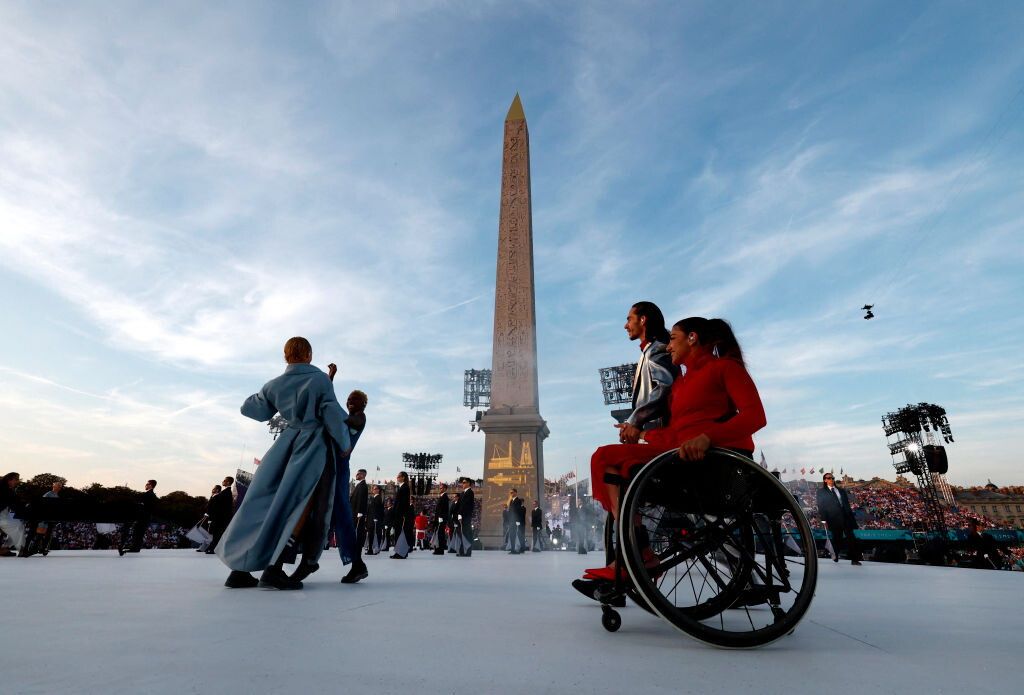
[514, 429]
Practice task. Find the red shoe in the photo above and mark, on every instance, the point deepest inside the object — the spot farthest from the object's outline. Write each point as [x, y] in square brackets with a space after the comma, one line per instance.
[605, 573]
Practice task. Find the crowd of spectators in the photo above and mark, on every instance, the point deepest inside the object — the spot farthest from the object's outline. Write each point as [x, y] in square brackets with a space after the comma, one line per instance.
[74, 535]
[887, 507]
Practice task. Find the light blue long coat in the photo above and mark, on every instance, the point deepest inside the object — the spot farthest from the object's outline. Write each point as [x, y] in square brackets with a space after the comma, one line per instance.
[289, 472]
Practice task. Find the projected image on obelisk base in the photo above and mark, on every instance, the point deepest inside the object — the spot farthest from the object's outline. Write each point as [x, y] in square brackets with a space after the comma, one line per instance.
[514, 429]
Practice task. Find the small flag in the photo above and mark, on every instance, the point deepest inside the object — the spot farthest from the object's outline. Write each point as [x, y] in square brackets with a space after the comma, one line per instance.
[255, 461]
[783, 470]
[764, 464]
[458, 470]
[803, 471]
[841, 471]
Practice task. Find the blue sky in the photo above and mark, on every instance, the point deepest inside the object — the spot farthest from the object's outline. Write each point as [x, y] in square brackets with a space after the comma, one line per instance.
[185, 186]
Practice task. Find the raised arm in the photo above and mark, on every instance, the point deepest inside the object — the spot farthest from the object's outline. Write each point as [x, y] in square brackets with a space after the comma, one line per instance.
[258, 406]
[333, 416]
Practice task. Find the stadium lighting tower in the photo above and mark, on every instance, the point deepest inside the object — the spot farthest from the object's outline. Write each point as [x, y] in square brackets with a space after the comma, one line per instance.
[913, 453]
[423, 469]
[476, 394]
[617, 387]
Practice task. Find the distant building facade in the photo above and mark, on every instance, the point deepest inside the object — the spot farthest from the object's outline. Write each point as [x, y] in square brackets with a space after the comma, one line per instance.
[1001, 508]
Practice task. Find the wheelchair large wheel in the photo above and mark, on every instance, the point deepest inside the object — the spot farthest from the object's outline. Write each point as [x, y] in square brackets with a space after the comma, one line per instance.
[719, 548]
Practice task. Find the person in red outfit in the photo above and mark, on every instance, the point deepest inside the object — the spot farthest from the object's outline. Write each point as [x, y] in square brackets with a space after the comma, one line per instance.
[714, 403]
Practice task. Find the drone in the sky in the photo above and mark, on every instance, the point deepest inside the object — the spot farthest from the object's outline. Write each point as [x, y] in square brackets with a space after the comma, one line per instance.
[867, 309]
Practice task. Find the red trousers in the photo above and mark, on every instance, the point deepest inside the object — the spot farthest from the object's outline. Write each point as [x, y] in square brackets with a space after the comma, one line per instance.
[619, 459]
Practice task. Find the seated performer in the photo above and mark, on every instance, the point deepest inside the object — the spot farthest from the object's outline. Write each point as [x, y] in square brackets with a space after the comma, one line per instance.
[292, 495]
[715, 403]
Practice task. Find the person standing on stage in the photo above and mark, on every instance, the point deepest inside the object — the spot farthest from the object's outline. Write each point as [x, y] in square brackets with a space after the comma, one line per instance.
[454, 528]
[464, 515]
[220, 510]
[439, 520]
[537, 524]
[834, 509]
[359, 501]
[655, 373]
[402, 513]
[375, 517]
[515, 526]
[290, 503]
[137, 532]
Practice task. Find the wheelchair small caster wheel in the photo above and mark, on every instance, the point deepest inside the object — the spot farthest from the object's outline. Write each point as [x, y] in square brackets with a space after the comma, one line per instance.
[610, 619]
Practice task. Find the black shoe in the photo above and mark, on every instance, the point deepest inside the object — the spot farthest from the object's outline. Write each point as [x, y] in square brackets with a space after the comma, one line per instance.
[303, 570]
[355, 574]
[275, 578]
[241, 580]
[855, 562]
[835, 559]
[588, 587]
[396, 556]
[120, 551]
[438, 552]
[208, 552]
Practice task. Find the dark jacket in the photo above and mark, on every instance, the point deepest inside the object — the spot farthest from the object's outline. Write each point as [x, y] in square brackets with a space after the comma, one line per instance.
[441, 510]
[517, 511]
[465, 507]
[359, 498]
[403, 505]
[835, 513]
[537, 518]
[221, 507]
[375, 508]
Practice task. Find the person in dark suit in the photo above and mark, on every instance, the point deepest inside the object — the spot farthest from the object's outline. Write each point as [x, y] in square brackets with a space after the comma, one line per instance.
[220, 510]
[375, 521]
[137, 533]
[403, 517]
[834, 509]
[440, 520]
[537, 524]
[984, 551]
[360, 502]
[453, 522]
[516, 521]
[464, 516]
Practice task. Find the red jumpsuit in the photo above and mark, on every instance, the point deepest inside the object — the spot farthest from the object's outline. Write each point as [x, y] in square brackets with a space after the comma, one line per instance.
[715, 397]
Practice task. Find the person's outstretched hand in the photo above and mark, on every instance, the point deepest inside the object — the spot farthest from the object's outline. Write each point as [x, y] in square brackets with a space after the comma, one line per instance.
[332, 369]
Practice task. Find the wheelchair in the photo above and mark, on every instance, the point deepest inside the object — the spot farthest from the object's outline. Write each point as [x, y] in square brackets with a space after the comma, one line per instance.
[719, 548]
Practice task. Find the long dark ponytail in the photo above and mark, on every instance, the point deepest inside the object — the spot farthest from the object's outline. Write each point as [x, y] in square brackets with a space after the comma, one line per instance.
[714, 334]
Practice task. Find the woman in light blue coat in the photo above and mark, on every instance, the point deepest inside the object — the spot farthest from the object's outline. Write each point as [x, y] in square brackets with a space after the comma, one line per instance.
[292, 496]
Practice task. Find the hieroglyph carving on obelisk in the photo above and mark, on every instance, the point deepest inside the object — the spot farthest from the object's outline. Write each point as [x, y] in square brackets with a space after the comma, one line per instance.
[514, 429]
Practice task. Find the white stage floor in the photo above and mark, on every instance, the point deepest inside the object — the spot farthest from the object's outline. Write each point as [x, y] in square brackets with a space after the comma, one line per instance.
[161, 622]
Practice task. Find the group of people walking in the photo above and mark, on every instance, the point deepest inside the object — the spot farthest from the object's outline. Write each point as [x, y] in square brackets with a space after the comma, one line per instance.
[393, 525]
[513, 522]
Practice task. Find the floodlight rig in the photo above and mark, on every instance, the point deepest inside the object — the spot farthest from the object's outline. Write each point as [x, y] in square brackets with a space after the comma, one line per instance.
[921, 456]
[617, 387]
[423, 469]
[476, 394]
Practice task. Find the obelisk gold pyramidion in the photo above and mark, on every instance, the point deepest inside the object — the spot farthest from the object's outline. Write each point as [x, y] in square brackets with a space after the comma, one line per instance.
[515, 431]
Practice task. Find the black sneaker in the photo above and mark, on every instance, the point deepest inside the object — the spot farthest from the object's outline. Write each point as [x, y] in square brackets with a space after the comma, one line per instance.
[241, 580]
[588, 587]
[303, 570]
[275, 578]
[355, 574]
